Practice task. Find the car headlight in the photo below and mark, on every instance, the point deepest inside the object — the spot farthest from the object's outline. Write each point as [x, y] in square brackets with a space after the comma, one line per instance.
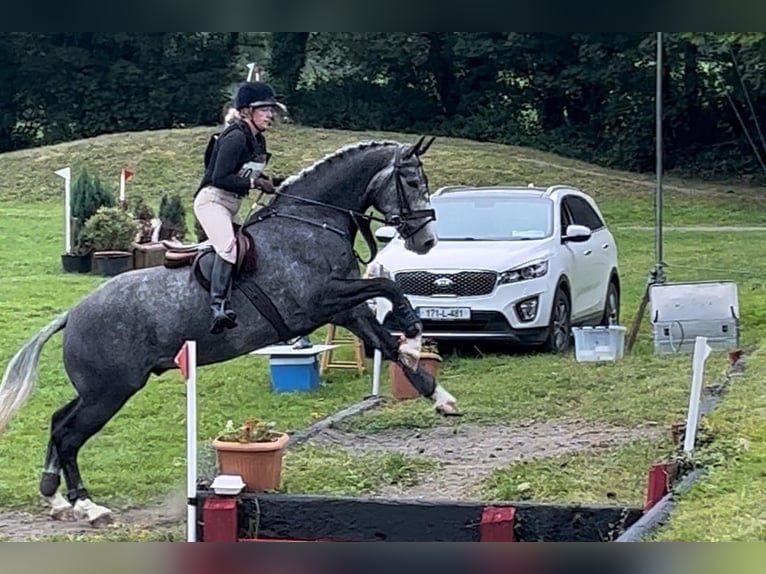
[529, 271]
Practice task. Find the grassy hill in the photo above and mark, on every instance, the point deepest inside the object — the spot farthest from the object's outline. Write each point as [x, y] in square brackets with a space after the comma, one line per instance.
[139, 456]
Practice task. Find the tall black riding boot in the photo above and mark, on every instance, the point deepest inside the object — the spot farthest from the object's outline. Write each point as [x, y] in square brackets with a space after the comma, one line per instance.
[220, 285]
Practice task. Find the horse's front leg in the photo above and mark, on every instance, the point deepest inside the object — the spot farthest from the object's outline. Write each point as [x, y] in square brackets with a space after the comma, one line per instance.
[362, 322]
[343, 294]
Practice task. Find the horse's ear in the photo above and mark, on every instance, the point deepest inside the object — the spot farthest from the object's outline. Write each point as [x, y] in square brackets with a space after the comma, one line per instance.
[428, 145]
[415, 149]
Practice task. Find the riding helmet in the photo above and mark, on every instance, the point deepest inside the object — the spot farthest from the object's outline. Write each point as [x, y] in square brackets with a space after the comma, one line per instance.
[256, 95]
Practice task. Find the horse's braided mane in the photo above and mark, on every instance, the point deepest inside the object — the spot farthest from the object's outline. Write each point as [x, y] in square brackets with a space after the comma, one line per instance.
[326, 161]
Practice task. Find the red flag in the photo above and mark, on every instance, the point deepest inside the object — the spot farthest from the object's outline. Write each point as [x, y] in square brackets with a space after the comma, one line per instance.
[127, 174]
[182, 360]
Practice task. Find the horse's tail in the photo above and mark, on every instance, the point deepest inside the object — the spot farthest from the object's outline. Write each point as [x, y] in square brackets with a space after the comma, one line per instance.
[21, 374]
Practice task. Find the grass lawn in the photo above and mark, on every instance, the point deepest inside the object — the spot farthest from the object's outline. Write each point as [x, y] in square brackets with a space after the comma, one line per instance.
[140, 455]
[729, 504]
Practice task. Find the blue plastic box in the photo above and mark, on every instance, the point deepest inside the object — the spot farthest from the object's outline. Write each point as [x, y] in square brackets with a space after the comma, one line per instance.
[291, 374]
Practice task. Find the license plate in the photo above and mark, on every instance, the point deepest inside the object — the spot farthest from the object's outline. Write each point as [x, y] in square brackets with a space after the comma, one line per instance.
[444, 313]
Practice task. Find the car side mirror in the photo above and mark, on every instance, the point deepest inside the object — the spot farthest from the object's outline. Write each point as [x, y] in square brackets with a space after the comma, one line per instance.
[385, 234]
[576, 234]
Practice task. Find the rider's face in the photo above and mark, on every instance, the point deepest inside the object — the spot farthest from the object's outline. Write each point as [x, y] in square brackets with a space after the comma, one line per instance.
[262, 117]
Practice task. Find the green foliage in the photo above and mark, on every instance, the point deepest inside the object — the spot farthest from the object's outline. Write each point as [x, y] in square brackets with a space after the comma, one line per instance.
[110, 229]
[141, 210]
[173, 216]
[114, 82]
[88, 195]
[589, 96]
[252, 430]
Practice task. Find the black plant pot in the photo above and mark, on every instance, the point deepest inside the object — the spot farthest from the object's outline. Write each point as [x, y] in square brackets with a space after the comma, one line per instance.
[111, 263]
[76, 263]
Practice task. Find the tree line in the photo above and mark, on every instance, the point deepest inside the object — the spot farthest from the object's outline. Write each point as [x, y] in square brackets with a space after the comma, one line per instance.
[589, 96]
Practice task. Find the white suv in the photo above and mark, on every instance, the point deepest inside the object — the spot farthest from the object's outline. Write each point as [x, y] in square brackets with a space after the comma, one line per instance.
[515, 264]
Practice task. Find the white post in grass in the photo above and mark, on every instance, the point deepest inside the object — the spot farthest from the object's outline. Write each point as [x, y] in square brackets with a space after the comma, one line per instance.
[186, 359]
[66, 173]
[701, 353]
[122, 187]
[250, 70]
[382, 307]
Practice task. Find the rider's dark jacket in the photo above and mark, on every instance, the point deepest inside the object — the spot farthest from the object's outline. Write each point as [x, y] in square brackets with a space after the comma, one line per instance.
[235, 147]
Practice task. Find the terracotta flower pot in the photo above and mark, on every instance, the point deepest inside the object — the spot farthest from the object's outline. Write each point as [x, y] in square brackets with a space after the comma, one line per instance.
[258, 463]
[401, 388]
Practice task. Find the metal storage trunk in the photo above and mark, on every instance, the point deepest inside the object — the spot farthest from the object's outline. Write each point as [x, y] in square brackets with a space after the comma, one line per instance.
[680, 312]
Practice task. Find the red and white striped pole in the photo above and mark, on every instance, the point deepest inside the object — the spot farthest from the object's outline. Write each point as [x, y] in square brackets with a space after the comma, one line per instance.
[186, 359]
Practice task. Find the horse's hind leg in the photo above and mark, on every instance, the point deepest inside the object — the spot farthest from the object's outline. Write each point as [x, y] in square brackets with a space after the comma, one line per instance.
[87, 418]
[60, 508]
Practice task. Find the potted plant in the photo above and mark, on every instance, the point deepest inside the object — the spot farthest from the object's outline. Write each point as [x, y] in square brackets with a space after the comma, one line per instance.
[88, 195]
[253, 451]
[110, 233]
[401, 388]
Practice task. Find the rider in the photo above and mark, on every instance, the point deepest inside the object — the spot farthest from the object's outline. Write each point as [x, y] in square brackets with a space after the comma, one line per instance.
[234, 168]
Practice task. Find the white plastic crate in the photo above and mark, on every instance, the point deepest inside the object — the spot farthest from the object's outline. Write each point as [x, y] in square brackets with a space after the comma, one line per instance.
[599, 343]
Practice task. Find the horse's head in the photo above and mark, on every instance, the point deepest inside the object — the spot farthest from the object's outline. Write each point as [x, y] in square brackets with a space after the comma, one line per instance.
[400, 192]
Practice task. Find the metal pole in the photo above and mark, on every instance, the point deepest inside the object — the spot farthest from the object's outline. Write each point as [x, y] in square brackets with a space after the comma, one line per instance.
[659, 273]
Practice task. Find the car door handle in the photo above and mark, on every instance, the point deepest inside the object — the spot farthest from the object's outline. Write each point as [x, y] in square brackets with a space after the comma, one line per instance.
[587, 252]
[605, 246]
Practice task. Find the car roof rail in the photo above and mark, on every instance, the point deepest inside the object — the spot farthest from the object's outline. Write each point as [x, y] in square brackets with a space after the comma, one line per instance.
[508, 187]
[554, 188]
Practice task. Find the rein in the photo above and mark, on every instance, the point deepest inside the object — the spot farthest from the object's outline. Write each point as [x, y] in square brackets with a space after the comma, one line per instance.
[361, 220]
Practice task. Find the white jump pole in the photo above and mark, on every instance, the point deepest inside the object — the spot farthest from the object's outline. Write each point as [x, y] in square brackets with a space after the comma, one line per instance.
[187, 362]
[701, 353]
[382, 307]
[122, 186]
[250, 70]
[66, 173]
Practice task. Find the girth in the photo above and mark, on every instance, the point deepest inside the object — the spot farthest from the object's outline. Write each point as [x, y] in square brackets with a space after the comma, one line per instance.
[199, 257]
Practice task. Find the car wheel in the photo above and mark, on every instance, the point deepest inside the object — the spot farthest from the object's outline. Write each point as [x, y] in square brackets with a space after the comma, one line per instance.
[560, 327]
[611, 305]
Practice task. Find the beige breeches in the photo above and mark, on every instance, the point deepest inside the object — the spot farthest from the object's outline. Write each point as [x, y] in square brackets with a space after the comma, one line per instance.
[216, 210]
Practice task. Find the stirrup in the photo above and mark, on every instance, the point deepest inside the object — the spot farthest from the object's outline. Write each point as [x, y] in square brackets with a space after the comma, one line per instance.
[223, 319]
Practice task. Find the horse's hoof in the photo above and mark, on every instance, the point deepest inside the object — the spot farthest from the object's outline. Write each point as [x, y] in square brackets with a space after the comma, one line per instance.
[86, 509]
[103, 519]
[60, 509]
[62, 513]
[448, 410]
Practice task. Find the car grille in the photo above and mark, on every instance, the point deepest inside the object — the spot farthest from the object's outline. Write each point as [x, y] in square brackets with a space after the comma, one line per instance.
[461, 284]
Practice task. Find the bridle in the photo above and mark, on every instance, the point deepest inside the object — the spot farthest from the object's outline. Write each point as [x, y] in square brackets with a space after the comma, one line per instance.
[406, 221]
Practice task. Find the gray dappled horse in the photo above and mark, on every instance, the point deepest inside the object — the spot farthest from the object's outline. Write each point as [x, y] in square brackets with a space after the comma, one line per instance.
[306, 272]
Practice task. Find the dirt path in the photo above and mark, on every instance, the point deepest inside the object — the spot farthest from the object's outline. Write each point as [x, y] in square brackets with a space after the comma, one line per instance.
[468, 454]
[29, 526]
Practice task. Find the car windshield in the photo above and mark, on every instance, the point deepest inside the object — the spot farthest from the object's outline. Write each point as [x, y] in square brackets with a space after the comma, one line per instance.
[494, 218]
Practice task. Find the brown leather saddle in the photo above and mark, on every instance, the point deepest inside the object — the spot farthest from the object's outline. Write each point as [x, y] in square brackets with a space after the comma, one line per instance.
[199, 256]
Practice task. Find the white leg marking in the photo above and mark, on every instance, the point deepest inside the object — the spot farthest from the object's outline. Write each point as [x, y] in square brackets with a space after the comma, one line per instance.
[409, 351]
[60, 507]
[97, 515]
[444, 402]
